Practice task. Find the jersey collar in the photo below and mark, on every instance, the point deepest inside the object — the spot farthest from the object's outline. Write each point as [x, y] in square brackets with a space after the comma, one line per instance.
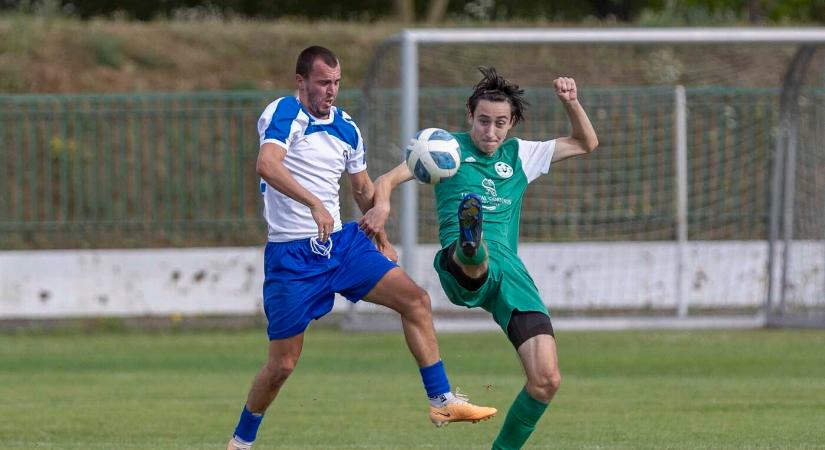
[316, 121]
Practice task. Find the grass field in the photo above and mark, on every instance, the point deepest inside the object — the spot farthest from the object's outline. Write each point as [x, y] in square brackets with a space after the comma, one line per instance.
[622, 390]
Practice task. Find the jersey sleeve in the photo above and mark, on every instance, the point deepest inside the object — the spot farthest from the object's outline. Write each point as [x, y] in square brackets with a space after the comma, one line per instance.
[278, 123]
[535, 157]
[357, 156]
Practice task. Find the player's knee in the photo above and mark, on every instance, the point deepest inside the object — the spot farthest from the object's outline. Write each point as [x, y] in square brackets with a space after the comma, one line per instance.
[554, 383]
[280, 370]
[544, 386]
[418, 304]
[421, 301]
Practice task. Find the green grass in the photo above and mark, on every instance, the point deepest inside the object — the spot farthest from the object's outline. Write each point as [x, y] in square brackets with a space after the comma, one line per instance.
[622, 390]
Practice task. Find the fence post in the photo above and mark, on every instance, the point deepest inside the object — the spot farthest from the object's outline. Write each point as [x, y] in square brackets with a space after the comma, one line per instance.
[680, 118]
[409, 123]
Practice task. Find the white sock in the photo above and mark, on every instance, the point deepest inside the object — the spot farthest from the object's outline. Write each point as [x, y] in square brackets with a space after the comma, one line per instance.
[241, 443]
[441, 399]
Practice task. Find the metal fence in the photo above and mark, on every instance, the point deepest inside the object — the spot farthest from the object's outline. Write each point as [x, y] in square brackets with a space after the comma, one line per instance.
[626, 189]
[142, 170]
[153, 170]
[176, 170]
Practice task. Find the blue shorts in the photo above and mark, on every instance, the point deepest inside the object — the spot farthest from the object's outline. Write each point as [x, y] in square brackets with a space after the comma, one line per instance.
[300, 284]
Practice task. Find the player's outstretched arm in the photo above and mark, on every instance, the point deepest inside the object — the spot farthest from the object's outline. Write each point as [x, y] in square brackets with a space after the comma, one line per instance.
[374, 219]
[583, 139]
[363, 190]
[270, 166]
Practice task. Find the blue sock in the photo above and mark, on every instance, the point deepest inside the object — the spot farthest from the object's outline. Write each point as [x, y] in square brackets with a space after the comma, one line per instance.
[435, 379]
[247, 428]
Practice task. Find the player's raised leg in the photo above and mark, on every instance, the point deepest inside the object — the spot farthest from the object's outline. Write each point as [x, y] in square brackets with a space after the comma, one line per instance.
[470, 221]
[467, 258]
[397, 291]
[283, 357]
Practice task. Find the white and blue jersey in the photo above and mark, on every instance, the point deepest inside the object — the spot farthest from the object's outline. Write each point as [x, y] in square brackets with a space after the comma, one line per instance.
[301, 275]
[317, 153]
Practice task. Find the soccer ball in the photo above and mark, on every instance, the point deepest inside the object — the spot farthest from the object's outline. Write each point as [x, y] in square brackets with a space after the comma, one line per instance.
[433, 155]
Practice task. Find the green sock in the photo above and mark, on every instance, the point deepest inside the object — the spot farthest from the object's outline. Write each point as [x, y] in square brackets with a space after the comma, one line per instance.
[475, 260]
[520, 422]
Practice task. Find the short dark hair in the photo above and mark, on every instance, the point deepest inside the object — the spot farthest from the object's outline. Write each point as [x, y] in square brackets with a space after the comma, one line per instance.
[493, 87]
[308, 56]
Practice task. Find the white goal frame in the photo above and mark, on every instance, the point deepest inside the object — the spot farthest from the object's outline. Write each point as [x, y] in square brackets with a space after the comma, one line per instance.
[410, 40]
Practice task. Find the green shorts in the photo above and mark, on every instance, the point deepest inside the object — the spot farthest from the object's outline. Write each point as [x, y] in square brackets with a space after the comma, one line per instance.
[508, 286]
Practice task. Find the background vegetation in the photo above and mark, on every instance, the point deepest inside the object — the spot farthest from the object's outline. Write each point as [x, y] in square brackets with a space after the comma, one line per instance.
[53, 46]
[753, 11]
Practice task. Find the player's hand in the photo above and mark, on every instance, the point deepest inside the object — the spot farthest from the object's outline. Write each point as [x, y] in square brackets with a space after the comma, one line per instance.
[387, 249]
[373, 221]
[565, 89]
[324, 220]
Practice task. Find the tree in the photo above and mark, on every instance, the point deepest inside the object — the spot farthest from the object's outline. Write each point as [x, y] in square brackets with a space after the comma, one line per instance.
[436, 11]
[404, 11]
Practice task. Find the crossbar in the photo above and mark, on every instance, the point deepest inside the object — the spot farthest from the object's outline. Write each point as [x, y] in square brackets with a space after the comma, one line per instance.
[728, 35]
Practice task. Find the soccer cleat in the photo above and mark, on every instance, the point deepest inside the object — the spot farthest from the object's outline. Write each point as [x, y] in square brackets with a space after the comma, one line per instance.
[469, 224]
[460, 410]
[235, 445]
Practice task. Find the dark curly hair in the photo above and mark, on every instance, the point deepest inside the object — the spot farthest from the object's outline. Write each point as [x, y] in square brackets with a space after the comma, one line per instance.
[493, 87]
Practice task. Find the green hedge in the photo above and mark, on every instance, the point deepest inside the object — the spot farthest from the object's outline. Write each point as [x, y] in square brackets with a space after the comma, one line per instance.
[687, 12]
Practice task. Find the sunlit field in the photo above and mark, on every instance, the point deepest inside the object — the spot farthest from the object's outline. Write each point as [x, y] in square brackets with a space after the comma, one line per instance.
[621, 390]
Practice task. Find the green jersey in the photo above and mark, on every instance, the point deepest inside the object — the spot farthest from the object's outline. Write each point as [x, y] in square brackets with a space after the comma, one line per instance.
[500, 179]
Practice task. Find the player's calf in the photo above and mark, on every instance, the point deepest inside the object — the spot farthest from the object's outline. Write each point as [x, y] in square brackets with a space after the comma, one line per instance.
[470, 278]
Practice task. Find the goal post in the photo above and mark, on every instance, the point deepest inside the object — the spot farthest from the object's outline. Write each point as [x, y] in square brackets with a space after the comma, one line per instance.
[708, 138]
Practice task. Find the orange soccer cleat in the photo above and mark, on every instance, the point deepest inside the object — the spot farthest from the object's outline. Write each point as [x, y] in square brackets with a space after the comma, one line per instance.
[460, 410]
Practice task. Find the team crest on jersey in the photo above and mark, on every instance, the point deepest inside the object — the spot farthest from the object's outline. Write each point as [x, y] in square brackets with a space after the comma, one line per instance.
[504, 170]
[490, 200]
[489, 186]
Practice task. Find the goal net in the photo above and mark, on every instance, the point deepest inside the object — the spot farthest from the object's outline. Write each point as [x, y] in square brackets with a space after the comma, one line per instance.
[704, 202]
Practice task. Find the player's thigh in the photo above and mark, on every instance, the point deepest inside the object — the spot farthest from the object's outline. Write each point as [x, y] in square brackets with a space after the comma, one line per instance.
[458, 294]
[539, 358]
[518, 293]
[395, 290]
[360, 265]
[292, 300]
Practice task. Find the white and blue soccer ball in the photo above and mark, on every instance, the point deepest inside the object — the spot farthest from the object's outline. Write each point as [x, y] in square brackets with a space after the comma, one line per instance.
[433, 155]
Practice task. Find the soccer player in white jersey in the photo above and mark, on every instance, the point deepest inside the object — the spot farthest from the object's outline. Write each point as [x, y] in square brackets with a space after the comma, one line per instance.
[306, 143]
[483, 269]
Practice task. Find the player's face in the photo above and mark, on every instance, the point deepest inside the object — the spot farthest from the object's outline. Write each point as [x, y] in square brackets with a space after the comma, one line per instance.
[317, 92]
[490, 123]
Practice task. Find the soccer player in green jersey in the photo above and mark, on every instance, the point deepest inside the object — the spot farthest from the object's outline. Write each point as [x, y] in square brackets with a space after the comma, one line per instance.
[482, 269]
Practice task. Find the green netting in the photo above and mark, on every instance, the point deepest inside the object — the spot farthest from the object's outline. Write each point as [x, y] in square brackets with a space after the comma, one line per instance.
[178, 169]
[97, 171]
[626, 189]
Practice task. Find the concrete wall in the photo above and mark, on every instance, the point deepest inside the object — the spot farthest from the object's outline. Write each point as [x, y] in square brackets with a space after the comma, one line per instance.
[79, 283]
[208, 281]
